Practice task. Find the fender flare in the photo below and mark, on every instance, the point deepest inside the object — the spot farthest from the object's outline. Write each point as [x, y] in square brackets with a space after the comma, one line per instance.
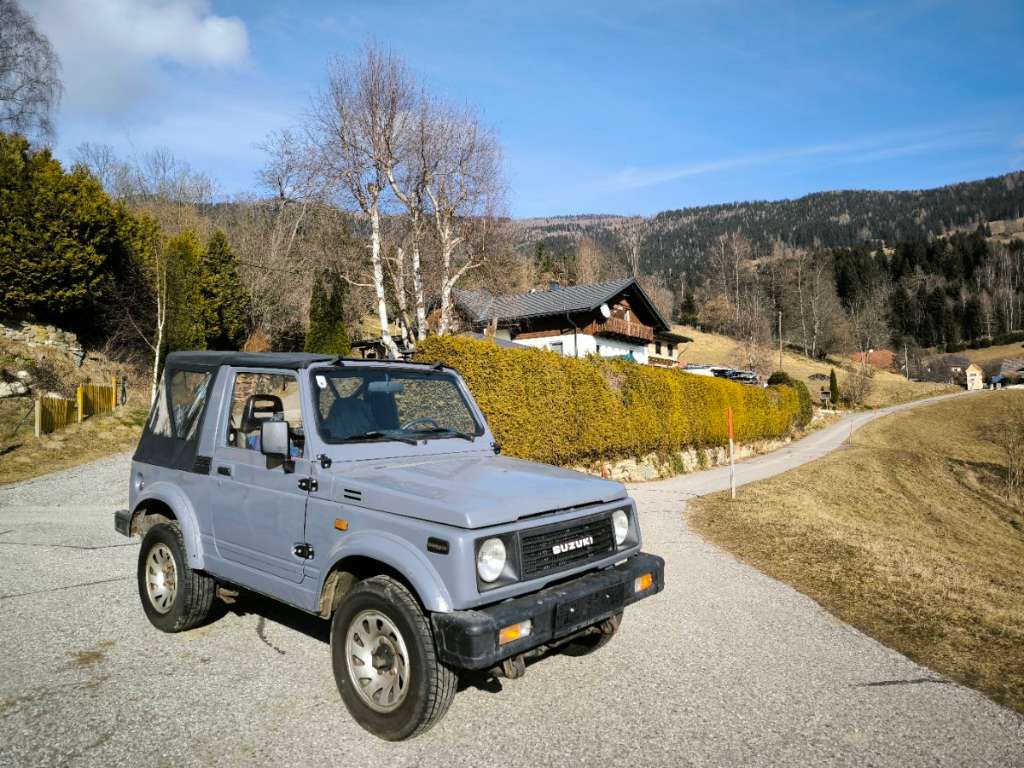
[398, 554]
[173, 497]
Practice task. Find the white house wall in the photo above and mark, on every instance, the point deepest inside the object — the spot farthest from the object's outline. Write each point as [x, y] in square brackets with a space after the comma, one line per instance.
[588, 345]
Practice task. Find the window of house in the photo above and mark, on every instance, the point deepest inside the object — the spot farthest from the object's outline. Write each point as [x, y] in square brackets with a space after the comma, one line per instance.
[259, 397]
[657, 347]
[555, 346]
[671, 350]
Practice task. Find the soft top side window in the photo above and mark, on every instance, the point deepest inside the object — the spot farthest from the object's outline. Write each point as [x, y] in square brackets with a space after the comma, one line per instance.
[187, 400]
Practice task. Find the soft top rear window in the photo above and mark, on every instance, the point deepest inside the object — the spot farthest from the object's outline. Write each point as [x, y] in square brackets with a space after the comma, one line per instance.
[379, 404]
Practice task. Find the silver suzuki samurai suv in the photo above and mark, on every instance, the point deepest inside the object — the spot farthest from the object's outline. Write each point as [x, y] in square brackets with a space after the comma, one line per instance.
[372, 493]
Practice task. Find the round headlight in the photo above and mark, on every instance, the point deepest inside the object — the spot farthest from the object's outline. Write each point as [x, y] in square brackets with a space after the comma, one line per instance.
[621, 522]
[490, 560]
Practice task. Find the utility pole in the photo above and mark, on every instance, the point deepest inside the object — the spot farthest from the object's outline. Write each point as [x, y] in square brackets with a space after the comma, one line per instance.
[780, 339]
[906, 360]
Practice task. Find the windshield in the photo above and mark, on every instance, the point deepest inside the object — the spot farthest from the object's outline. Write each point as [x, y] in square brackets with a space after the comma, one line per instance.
[378, 404]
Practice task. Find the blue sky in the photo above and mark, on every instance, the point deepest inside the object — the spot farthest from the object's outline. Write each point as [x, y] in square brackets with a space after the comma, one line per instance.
[627, 108]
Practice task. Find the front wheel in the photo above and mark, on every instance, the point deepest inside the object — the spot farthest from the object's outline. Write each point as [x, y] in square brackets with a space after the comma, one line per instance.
[174, 596]
[385, 664]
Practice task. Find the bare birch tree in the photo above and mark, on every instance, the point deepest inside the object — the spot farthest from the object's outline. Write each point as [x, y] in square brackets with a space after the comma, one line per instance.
[30, 86]
[411, 164]
[632, 235]
[355, 121]
[465, 194]
[729, 257]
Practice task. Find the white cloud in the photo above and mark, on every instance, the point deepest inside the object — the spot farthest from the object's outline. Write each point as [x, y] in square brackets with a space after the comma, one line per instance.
[112, 51]
[864, 150]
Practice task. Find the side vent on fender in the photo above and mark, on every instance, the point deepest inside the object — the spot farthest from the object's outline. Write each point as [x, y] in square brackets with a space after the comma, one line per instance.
[352, 495]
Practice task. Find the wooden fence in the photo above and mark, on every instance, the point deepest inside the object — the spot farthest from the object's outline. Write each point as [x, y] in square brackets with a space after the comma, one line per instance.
[53, 413]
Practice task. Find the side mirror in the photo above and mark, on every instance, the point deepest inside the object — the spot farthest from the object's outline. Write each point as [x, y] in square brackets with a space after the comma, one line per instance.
[275, 445]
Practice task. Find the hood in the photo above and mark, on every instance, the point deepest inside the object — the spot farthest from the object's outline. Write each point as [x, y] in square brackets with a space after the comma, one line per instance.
[467, 490]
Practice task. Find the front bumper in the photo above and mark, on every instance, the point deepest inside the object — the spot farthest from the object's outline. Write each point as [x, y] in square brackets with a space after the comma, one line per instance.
[469, 639]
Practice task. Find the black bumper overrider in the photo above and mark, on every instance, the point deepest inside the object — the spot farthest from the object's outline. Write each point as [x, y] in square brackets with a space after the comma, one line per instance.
[122, 519]
[469, 639]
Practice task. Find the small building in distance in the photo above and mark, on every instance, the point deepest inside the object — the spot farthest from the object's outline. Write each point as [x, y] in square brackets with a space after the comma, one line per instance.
[615, 319]
[974, 377]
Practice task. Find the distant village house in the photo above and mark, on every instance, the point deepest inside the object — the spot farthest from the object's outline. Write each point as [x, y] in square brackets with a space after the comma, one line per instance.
[613, 320]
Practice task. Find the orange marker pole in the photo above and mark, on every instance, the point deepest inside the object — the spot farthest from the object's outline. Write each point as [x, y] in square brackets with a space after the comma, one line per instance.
[732, 454]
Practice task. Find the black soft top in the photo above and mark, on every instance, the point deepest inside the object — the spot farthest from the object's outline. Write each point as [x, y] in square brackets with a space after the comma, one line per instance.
[208, 361]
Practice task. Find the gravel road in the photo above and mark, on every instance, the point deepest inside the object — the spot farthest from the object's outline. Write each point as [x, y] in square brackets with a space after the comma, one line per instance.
[725, 667]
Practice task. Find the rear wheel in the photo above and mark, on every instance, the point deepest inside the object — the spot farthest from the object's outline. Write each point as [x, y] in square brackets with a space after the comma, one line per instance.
[174, 596]
[385, 664]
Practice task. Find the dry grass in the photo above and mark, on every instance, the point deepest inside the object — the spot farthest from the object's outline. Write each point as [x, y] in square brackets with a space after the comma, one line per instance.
[24, 456]
[887, 388]
[905, 535]
[993, 354]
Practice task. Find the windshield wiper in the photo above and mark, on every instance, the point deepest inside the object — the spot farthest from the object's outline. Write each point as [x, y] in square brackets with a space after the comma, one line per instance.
[376, 434]
[446, 433]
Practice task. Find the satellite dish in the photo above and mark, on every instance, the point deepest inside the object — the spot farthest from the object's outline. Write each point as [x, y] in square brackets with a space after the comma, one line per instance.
[605, 311]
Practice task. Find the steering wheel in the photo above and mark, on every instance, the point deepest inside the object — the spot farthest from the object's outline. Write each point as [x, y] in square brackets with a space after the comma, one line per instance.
[416, 422]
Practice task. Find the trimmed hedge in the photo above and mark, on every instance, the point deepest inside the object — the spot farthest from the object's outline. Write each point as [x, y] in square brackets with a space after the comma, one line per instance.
[561, 410]
[781, 378]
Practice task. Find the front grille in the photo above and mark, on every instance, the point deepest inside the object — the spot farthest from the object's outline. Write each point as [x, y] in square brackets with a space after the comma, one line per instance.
[537, 545]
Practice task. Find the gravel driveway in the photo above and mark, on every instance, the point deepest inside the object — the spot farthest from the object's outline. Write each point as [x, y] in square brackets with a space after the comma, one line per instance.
[726, 667]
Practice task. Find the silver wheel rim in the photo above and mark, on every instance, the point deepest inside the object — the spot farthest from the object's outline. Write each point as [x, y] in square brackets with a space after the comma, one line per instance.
[377, 660]
[161, 578]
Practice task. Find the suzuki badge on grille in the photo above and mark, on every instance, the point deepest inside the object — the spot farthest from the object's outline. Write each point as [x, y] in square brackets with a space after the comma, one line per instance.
[569, 546]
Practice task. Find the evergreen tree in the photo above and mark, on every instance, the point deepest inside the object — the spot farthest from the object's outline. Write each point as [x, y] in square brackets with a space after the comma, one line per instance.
[327, 333]
[902, 314]
[833, 387]
[688, 308]
[225, 299]
[187, 312]
[972, 321]
[63, 242]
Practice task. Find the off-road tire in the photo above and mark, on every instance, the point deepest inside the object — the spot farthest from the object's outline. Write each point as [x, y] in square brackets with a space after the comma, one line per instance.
[195, 591]
[587, 644]
[431, 684]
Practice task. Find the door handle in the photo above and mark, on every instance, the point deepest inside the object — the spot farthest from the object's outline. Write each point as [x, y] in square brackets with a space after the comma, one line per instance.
[226, 471]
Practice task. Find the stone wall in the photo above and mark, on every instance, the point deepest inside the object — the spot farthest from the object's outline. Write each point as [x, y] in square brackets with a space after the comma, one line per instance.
[45, 336]
[656, 466]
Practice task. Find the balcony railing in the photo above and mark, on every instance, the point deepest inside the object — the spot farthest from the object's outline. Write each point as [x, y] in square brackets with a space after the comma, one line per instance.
[615, 326]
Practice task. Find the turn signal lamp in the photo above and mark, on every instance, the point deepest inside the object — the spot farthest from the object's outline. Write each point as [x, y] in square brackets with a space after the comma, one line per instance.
[341, 524]
[515, 632]
[643, 582]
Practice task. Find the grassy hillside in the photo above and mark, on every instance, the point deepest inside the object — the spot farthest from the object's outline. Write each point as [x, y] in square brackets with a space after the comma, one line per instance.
[906, 535]
[994, 354]
[888, 388]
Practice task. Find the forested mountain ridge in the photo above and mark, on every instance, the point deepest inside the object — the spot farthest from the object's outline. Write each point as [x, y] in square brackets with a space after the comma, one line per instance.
[677, 241]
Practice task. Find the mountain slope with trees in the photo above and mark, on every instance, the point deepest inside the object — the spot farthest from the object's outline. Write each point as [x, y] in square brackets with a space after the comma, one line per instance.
[676, 242]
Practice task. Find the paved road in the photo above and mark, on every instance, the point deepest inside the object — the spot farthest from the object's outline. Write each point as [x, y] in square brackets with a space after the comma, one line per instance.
[726, 667]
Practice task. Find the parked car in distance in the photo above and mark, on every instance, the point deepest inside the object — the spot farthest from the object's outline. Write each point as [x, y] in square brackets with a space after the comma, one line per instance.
[373, 494]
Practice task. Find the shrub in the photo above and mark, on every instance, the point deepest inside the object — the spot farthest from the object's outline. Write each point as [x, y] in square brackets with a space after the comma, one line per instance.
[561, 410]
[783, 379]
